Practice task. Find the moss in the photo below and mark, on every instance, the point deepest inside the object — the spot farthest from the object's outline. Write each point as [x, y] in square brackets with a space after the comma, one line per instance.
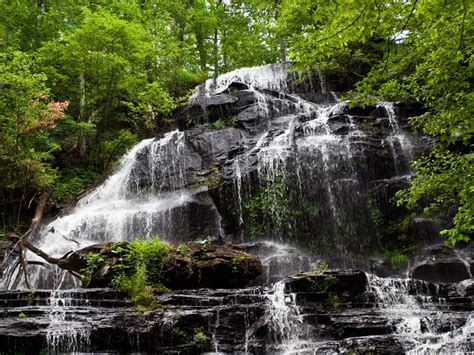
[214, 179]
[224, 122]
[334, 301]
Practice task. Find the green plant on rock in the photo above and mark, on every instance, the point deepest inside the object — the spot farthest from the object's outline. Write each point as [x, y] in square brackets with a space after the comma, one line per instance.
[183, 249]
[94, 262]
[376, 217]
[22, 315]
[224, 122]
[139, 271]
[178, 335]
[320, 266]
[214, 179]
[238, 261]
[397, 258]
[200, 340]
[321, 284]
[271, 204]
[334, 301]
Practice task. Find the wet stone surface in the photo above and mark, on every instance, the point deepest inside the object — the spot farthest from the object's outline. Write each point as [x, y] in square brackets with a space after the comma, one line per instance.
[335, 310]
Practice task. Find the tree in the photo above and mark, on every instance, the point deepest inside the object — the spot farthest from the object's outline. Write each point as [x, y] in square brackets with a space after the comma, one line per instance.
[27, 116]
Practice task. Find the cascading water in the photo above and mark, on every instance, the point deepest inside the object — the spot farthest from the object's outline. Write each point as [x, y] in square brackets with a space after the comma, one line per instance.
[145, 197]
[417, 317]
[64, 334]
[268, 77]
[288, 329]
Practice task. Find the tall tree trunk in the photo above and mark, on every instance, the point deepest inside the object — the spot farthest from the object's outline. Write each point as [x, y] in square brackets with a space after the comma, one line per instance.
[6, 29]
[81, 140]
[216, 44]
[201, 49]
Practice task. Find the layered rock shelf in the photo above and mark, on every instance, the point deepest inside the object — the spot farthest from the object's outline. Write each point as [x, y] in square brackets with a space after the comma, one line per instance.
[330, 311]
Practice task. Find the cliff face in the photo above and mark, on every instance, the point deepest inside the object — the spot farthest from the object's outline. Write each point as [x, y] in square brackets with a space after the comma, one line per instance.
[315, 171]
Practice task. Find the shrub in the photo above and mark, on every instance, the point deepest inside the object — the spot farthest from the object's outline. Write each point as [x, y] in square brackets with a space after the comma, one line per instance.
[139, 272]
[201, 340]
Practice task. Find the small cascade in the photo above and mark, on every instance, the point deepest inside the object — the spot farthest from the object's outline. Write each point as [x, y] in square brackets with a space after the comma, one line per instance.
[64, 334]
[280, 260]
[422, 318]
[288, 330]
[266, 77]
[398, 141]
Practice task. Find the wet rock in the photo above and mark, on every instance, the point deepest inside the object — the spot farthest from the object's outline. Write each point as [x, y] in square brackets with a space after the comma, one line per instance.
[407, 109]
[382, 267]
[216, 266]
[208, 109]
[440, 264]
[466, 288]
[191, 265]
[240, 320]
[353, 282]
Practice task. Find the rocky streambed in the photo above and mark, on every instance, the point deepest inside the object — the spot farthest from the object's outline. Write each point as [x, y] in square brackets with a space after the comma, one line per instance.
[332, 311]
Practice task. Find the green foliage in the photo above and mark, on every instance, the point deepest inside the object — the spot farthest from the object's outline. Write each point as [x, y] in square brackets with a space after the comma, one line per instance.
[178, 335]
[320, 266]
[224, 122]
[94, 262]
[72, 182]
[27, 116]
[321, 284]
[237, 262]
[214, 179]
[446, 178]
[22, 315]
[139, 272]
[334, 301]
[183, 249]
[271, 204]
[200, 340]
[397, 258]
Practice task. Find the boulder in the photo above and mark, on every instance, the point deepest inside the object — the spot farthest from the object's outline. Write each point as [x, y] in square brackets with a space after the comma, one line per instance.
[186, 266]
[440, 263]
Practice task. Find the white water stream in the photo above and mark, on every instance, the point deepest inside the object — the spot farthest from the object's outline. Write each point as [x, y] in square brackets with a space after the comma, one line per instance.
[416, 318]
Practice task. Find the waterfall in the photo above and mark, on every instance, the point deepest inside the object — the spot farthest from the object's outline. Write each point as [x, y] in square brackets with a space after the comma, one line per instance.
[143, 198]
[63, 334]
[267, 77]
[416, 316]
[306, 173]
[288, 330]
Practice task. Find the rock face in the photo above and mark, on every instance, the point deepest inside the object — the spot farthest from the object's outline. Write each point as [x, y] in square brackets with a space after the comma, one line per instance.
[443, 264]
[295, 164]
[186, 266]
[332, 311]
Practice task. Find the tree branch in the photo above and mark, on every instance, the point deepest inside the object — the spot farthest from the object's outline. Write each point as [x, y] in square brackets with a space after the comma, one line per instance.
[38, 216]
[342, 29]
